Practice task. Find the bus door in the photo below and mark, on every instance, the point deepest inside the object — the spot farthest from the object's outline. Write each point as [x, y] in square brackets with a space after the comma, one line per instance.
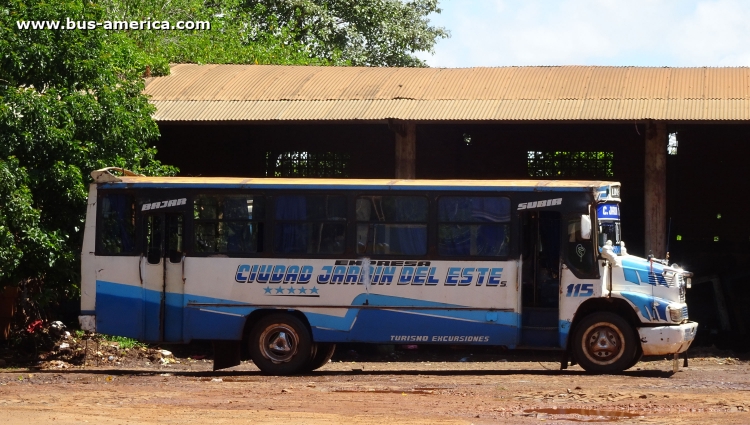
[540, 278]
[163, 276]
[579, 275]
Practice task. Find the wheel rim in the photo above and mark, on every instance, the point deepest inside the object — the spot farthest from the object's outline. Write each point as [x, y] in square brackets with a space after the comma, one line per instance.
[279, 343]
[603, 343]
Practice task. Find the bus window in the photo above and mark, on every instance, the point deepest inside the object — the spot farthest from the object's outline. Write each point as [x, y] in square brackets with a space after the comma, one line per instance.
[392, 225]
[309, 224]
[473, 226]
[174, 237]
[154, 239]
[580, 252]
[117, 224]
[228, 224]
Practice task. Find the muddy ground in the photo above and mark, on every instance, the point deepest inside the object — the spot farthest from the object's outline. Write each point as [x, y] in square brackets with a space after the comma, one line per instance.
[364, 385]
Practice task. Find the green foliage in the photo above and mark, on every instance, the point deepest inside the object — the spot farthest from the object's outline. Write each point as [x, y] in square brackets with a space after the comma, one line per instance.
[356, 32]
[123, 341]
[284, 32]
[70, 102]
[559, 164]
[232, 37]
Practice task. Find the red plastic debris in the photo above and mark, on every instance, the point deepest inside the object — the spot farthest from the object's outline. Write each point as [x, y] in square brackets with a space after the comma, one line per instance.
[34, 326]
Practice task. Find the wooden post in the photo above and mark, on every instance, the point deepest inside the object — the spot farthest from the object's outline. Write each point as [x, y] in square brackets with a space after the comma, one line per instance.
[655, 190]
[406, 148]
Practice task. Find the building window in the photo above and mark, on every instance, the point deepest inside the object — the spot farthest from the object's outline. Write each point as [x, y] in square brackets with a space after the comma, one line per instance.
[672, 144]
[307, 164]
[558, 164]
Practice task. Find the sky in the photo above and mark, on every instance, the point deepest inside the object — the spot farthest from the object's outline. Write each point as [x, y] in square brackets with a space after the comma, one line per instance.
[674, 33]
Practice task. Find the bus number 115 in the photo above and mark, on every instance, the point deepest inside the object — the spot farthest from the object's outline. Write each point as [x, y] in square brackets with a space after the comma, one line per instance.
[580, 290]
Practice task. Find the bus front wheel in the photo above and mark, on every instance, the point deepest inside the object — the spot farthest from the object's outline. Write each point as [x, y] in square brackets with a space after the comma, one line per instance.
[280, 345]
[605, 343]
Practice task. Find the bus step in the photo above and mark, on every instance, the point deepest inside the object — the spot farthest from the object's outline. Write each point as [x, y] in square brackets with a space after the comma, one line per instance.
[539, 336]
[540, 317]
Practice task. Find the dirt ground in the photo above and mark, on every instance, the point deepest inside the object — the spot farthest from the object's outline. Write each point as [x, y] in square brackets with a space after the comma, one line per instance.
[362, 385]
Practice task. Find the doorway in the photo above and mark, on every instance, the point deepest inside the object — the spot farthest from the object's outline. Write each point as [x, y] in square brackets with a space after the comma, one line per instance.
[540, 278]
[163, 276]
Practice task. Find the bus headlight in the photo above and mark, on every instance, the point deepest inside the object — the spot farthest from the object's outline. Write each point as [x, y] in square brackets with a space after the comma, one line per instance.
[677, 314]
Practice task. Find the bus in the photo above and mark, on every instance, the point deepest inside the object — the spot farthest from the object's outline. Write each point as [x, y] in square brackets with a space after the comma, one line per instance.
[283, 269]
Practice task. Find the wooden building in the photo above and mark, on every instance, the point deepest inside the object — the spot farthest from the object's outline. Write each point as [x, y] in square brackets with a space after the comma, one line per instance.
[677, 138]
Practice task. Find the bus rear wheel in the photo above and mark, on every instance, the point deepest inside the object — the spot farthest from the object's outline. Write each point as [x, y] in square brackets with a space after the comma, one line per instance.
[280, 344]
[604, 343]
[323, 352]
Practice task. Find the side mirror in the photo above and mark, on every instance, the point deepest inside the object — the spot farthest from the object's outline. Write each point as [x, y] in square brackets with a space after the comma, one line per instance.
[586, 226]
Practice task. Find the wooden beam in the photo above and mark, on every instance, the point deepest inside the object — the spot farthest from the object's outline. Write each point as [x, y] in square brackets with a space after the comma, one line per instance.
[655, 190]
[406, 148]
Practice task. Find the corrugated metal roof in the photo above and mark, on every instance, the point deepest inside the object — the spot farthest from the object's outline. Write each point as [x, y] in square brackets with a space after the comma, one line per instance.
[561, 93]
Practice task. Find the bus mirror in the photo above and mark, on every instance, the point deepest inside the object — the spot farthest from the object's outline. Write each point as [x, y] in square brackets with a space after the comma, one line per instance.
[585, 226]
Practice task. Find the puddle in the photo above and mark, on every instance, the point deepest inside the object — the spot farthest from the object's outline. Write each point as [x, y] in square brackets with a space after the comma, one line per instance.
[414, 391]
[589, 415]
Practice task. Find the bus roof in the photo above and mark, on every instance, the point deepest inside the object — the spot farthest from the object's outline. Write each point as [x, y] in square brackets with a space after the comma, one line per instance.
[107, 180]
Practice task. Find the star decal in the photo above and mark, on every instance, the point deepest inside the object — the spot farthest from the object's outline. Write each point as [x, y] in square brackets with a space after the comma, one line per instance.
[279, 290]
[314, 290]
[290, 290]
[267, 289]
[302, 290]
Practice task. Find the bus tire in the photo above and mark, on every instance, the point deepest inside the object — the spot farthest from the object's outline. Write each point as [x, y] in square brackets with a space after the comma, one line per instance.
[638, 356]
[280, 344]
[604, 343]
[322, 354]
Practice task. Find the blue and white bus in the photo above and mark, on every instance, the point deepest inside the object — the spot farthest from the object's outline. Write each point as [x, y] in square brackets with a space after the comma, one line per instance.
[287, 268]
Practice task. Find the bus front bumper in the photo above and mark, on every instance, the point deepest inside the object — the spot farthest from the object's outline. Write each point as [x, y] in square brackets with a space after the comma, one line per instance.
[662, 340]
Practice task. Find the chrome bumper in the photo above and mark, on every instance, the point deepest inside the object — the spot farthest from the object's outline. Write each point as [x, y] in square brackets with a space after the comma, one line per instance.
[663, 340]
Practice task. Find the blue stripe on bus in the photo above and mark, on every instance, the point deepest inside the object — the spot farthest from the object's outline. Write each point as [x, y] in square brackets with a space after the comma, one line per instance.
[120, 311]
[403, 327]
[563, 328]
[231, 186]
[647, 304]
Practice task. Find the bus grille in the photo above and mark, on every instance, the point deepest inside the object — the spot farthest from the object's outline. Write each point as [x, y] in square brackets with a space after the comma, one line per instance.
[684, 311]
[673, 279]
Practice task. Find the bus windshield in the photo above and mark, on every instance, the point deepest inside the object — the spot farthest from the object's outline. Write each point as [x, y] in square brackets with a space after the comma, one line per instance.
[608, 217]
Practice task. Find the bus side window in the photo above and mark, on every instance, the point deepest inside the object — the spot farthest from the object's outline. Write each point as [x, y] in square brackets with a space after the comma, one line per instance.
[309, 224]
[116, 224]
[174, 237]
[473, 226]
[579, 252]
[392, 225]
[231, 224]
[153, 239]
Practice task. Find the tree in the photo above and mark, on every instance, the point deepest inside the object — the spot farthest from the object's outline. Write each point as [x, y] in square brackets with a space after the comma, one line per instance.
[70, 102]
[355, 32]
[285, 32]
[230, 34]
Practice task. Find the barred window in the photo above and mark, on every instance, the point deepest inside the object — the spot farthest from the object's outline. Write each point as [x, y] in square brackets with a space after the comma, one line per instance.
[558, 164]
[307, 164]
